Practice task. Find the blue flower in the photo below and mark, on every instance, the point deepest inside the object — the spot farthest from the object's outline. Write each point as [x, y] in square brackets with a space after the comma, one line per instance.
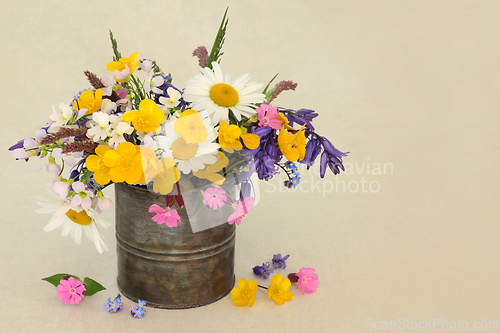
[139, 313]
[114, 305]
[137, 310]
[265, 270]
[279, 262]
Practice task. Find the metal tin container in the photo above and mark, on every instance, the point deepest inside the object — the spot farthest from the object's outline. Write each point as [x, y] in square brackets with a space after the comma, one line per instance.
[171, 268]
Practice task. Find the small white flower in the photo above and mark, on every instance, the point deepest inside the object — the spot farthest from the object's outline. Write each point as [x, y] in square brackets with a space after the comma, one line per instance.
[61, 189]
[82, 197]
[60, 118]
[172, 101]
[117, 134]
[100, 126]
[108, 85]
[146, 65]
[125, 104]
[152, 83]
[69, 159]
[100, 203]
[107, 106]
[122, 75]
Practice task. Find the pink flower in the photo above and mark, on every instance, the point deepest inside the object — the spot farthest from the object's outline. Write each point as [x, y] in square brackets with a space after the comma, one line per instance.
[214, 197]
[269, 118]
[168, 216]
[71, 291]
[240, 210]
[308, 280]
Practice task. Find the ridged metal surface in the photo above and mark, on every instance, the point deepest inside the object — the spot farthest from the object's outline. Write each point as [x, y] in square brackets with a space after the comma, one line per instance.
[170, 268]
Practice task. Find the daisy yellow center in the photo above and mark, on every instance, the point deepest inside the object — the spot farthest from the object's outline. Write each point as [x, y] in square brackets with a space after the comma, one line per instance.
[80, 218]
[224, 95]
[181, 150]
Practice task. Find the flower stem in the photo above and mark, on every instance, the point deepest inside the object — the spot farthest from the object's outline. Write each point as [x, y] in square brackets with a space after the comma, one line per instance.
[262, 286]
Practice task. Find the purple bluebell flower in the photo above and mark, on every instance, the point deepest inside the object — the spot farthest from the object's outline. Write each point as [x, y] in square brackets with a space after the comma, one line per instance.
[322, 164]
[266, 155]
[279, 262]
[313, 149]
[332, 150]
[331, 157]
[301, 117]
[265, 270]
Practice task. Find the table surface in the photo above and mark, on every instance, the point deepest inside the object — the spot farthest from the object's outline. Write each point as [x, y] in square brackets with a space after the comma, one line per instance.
[408, 234]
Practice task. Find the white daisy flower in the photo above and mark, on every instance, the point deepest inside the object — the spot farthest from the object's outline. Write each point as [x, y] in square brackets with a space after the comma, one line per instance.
[189, 156]
[73, 222]
[216, 94]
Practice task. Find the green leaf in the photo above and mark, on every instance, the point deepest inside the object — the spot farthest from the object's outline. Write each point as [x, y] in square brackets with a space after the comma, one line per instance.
[232, 118]
[265, 89]
[215, 53]
[114, 45]
[56, 279]
[92, 286]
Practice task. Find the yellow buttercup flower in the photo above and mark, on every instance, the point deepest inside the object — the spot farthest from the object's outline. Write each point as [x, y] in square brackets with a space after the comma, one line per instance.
[124, 163]
[292, 146]
[149, 161]
[284, 121]
[131, 62]
[190, 126]
[166, 176]
[244, 294]
[278, 289]
[95, 163]
[147, 118]
[89, 100]
[229, 136]
[210, 170]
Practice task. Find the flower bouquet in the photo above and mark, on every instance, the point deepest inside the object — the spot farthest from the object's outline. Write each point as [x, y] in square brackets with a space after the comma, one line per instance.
[197, 150]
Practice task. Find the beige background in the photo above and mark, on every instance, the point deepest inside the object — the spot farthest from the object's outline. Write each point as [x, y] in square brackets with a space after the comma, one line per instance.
[410, 84]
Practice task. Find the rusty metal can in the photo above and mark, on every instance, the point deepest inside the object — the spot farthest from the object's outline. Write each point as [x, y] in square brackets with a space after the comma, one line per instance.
[171, 268]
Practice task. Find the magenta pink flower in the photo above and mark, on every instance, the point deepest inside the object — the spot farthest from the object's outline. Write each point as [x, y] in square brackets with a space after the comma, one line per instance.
[71, 291]
[269, 118]
[214, 197]
[308, 280]
[168, 216]
[240, 210]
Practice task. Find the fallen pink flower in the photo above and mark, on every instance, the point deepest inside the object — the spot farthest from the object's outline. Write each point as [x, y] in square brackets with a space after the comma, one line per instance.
[71, 291]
